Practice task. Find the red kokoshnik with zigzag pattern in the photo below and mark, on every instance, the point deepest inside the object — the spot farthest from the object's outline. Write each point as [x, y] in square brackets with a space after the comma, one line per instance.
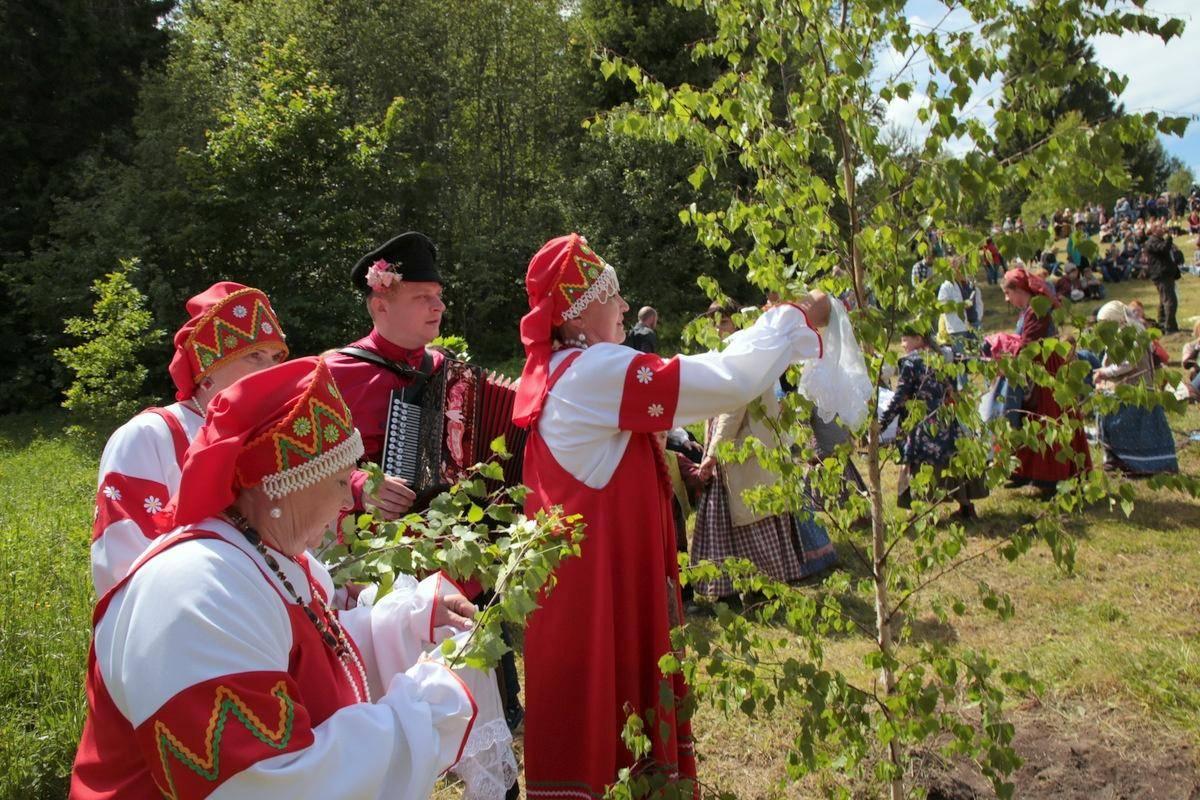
[284, 428]
[563, 278]
[227, 320]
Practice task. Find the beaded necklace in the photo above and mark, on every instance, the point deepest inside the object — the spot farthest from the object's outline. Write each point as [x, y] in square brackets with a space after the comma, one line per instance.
[194, 405]
[330, 630]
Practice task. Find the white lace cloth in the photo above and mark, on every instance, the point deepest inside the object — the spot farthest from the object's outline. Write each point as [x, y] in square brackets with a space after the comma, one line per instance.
[837, 383]
[487, 767]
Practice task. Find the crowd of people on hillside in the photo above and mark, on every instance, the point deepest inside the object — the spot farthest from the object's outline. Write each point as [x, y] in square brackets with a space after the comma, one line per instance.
[222, 656]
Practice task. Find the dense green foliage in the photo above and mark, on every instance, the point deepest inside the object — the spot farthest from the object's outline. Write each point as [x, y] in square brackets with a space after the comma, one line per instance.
[274, 143]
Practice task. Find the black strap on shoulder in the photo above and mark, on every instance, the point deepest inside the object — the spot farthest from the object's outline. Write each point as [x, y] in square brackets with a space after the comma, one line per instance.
[417, 376]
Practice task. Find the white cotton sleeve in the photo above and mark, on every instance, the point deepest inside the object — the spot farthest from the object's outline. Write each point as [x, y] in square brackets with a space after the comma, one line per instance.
[394, 632]
[395, 748]
[751, 361]
[140, 454]
[184, 619]
[400, 627]
[589, 414]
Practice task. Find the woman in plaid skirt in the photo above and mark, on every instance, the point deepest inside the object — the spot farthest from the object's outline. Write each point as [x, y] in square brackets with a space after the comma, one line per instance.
[785, 546]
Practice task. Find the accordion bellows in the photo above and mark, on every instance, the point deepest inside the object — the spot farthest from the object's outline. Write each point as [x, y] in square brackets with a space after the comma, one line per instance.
[433, 443]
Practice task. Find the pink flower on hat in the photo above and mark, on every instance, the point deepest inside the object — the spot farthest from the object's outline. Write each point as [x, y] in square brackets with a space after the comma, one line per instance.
[380, 275]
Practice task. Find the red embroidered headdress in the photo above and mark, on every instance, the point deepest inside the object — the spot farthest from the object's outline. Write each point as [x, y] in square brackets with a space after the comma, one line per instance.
[1033, 284]
[227, 320]
[564, 278]
[285, 428]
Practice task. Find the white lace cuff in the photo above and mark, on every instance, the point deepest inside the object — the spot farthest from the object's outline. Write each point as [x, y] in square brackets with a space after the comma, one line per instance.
[837, 383]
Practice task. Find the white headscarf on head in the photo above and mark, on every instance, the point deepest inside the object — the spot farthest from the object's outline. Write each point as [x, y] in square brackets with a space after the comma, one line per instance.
[1118, 312]
[837, 383]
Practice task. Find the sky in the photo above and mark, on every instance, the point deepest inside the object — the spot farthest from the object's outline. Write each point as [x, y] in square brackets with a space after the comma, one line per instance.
[1162, 78]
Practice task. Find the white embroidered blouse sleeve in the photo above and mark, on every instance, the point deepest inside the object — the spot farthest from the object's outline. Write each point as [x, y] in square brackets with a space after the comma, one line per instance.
[392, 633]
[134, 483]
[613, 387]
[199, 628]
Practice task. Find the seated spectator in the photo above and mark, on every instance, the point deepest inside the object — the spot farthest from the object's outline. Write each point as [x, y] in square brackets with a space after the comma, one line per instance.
[1193, 221]
[1049, 261]
[1070, 284]
[1190, 363]
[1093, 286]
[1044, 276]
[1112, 267]
[1139, 313]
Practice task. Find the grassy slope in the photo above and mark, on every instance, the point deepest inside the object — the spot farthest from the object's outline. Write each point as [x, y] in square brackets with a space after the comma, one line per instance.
[1117, 644]
[45, 602]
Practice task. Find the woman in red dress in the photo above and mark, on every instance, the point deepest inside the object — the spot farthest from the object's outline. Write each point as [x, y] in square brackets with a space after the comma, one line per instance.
[592, 650]
[1041, 466]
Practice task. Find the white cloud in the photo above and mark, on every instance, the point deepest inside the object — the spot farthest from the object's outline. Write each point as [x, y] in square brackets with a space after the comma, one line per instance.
[1162, 77]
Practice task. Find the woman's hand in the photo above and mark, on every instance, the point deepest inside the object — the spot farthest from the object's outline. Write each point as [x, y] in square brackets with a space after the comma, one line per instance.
[394, 498]
[705, 471]
[816, 308]
[454, 610]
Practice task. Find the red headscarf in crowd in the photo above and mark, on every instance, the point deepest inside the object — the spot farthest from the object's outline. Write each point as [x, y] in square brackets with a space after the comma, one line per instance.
[227, 320]
[563, 278]
[284, 428]
[1022, 279]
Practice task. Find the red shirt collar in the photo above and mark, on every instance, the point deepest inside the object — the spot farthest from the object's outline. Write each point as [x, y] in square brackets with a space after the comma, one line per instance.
[395, 352]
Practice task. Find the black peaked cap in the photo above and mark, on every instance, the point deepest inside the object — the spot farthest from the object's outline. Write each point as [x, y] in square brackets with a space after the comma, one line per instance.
[412, 256]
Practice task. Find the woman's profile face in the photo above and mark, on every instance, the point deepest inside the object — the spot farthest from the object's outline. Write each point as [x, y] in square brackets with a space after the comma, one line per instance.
[1017, 297]
[604, 321]
[315, 509]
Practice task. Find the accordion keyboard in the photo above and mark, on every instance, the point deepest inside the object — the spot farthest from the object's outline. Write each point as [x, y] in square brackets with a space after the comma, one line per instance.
[402, 441]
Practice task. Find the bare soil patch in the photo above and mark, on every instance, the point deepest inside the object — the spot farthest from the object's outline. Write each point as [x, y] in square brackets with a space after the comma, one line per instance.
[1079, 759]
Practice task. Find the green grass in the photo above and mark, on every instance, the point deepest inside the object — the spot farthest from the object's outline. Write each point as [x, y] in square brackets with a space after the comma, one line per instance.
[45, 602]
[1117, 644]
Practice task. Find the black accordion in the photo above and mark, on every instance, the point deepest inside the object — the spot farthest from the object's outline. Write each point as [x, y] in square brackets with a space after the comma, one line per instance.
[433, 442]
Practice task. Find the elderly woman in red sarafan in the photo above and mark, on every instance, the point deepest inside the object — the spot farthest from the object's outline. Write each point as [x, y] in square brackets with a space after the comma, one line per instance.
[592, 650]
[1040, 466]
[217, 665]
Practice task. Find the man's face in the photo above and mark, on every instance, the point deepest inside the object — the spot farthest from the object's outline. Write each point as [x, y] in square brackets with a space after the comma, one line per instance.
[408, 313]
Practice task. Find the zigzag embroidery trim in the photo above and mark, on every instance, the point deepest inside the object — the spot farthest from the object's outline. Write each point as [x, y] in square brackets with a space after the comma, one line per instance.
[603, 290]
[285, 442]
[227, 702]
[337, 458]
[221, 327]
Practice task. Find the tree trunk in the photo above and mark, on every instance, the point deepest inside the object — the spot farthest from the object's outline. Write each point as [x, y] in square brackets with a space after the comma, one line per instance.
[883, 609]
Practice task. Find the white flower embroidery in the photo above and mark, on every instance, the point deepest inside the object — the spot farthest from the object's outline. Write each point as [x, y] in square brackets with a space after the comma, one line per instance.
[645, 375]
[239, 311]
[267, 328]
[655, 410]
[152, 505]
[112, 493]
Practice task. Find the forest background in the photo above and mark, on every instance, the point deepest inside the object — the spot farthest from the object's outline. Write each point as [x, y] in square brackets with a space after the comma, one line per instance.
[273, 143]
